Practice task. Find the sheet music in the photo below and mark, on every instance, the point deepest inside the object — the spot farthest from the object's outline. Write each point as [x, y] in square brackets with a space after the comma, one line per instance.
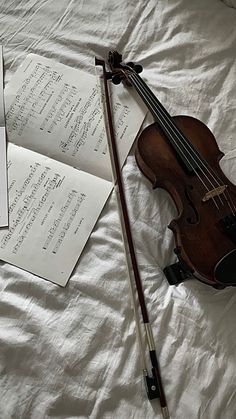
[52, 211]
[3, 165]
[55, 110]
[55, 126]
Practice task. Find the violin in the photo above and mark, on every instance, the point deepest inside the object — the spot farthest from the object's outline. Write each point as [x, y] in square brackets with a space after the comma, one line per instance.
[181, 155]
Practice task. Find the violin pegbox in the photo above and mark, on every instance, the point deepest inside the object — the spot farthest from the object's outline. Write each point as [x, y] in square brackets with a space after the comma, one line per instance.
[120, 72]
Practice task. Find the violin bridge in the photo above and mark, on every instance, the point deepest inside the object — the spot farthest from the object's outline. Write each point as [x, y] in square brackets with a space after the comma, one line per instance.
[214, 192]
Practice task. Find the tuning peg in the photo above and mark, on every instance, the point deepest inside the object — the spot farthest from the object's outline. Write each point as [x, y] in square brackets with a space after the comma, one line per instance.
[130, 64]
[138, 68]
[108, 75]
[116, 79]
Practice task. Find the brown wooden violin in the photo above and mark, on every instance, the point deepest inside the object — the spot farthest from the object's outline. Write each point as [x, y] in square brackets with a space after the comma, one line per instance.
[180, 155]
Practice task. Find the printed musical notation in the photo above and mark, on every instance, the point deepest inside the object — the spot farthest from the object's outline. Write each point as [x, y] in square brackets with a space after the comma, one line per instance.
[55, 127]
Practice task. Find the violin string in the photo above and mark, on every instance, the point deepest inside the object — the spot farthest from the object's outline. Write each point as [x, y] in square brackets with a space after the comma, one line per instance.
[178, 145]
[204, 163]
[178, 132]
[172, 127]
[189, 162]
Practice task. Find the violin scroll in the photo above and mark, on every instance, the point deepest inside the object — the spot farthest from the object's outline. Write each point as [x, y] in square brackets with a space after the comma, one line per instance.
[120, 72]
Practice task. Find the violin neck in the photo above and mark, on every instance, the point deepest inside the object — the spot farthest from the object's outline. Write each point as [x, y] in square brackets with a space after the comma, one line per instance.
[176, 138]
[158, 111]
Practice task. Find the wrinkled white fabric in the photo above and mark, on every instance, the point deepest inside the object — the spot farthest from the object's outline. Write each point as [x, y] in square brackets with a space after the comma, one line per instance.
[231, 3]
[72, 353]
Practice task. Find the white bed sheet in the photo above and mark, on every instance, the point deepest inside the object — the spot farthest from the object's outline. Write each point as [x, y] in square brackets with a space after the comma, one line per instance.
[72, 353]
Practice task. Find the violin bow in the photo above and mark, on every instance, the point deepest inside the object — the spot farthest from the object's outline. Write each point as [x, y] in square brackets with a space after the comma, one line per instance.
[153, 383]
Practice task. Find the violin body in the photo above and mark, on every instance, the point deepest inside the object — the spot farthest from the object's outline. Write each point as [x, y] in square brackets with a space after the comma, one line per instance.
[201, 242]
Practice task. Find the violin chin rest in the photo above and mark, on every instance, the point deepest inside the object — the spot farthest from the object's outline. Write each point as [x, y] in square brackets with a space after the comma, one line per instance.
[225, 269]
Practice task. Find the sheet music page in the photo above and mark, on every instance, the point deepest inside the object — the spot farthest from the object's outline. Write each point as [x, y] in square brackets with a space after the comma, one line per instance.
[55, 110]
[3, 154]
[52, 211]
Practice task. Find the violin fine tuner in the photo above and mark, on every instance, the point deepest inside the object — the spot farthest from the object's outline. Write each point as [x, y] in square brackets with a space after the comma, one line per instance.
[180, 155]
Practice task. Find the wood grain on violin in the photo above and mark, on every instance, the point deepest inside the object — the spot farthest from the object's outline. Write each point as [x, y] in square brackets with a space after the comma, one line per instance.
[180, 154]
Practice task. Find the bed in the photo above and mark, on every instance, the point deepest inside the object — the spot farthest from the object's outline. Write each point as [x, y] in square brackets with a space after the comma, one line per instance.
[72, 352]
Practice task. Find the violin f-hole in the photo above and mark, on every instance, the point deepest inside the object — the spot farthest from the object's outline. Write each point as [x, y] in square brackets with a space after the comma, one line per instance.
[194, 217]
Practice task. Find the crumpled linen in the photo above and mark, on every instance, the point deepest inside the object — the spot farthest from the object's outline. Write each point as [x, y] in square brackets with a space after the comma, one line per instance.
[231, 3]
[72, 353]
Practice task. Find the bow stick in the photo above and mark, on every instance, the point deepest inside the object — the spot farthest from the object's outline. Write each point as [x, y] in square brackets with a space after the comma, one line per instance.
[153, 383]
